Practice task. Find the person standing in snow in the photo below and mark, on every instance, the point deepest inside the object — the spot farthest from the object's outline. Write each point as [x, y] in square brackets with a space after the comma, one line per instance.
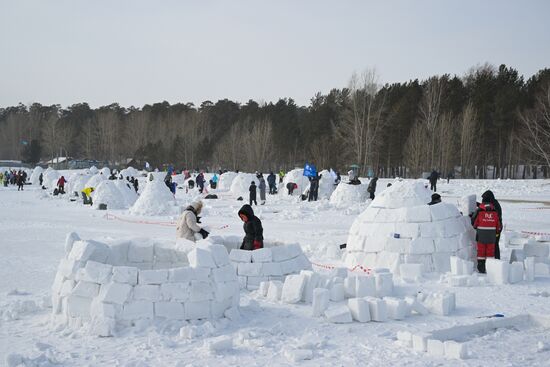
[20, 181]
[313, 188]
[434, 176]
[252, 196]
[262, 187]
[487, 224]
[371, 189]
[135, 183]
[200, 180]
[214, 181]
[187, 224]
[489, 197]
[61, 184]
[272, 182]
[40, 179]
[253, 230]
[281, 176]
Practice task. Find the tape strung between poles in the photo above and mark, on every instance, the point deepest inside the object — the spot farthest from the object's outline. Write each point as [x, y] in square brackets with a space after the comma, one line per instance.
[355, 268]
[165, 224]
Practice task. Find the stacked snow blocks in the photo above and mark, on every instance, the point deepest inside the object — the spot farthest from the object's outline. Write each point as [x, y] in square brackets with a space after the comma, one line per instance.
[109, 286]
[400, 228]
[271, 263]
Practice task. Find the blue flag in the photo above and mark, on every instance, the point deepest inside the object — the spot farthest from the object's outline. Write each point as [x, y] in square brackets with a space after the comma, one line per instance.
[310, 170]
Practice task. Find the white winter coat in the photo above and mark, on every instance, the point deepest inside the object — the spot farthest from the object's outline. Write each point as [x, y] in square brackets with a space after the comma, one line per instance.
[187, 225]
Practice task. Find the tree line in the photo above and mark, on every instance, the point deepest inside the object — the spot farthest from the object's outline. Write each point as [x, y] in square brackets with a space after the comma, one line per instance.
[489, 117]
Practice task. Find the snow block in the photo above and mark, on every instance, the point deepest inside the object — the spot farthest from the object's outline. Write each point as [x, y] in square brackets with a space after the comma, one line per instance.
[359, 309]
[421, 246]
[539, 250]
[138, 310]
[200, 291]
[249, 269]
[219, 343]
[529, 264]
[302, 263]
[349, 286]
[411, 272]
[397, 308]
[442, 304]
[337, 292]
[435, 348]
[405, 338]
[420, 342]
[262, 255]
[220, 255]
[225, 273]
[294, 250]
[455, 350]
[103, 326]
[70, 239]
[264, 288]
[89, 250]
[125, 275]
[169, 310]
[223, 291]
[339, 272]
[175, 291]
[78, 306]
[516, 272]
[384, 284]
[96, 272]
[416, 306]
[365, 286]
[541, 269]
[440, 261]
[140, 251]
[497, 271]
[240, 256]
[147, 292]
[280, 253]
[339, 315]
[272, 269]
[459, 280]
[253, 283]
[242, 281]
[201, 258]
[312, 281]
[293, 288]
[418, 214]
[115, 293]
[289, 266]
[320, 301]
[180, 275]
[153, 276]
[275, 290]
[197, 310]
[377, 309]
[86, 289]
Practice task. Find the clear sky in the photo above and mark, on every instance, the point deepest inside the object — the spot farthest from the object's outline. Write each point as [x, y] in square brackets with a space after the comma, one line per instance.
[135, 52]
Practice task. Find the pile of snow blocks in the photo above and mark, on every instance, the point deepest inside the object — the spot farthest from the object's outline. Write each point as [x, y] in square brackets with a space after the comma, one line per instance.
[108, 286]
[400, 228]
[271, 263]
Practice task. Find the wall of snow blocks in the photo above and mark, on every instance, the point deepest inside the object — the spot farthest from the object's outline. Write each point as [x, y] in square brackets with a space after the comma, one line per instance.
[273, 262]
[113, 285]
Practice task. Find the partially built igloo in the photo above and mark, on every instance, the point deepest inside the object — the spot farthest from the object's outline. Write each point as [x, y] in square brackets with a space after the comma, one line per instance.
[399, 227]
[107, 286]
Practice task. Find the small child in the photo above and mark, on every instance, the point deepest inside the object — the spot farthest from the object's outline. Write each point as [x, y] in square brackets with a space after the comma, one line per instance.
[252, 190]
[487, 224]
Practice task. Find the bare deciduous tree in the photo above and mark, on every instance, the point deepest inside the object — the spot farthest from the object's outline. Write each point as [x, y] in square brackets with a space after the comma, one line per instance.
[468, 138]
[537, 124]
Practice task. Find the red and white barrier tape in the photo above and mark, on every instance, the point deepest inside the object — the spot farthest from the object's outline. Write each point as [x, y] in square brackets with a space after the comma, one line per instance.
[166, 224]
[536, 233]
[355, 268]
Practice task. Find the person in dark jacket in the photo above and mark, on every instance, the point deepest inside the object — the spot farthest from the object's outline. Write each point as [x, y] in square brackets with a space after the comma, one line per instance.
[489, 197]
[487, 225]
[200, 180]
[372, 187]
[135, 182]
[313, 188]
[272, 182]
[291, 186]
[20, 181]
[253, 231]
[433, 180]
[252, 190]
[436, 199]
[41, 179]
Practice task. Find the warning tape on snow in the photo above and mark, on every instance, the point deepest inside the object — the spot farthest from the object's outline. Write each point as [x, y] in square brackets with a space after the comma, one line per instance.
[536, 233]
[355, 268]
[166, 224]
[539, 208]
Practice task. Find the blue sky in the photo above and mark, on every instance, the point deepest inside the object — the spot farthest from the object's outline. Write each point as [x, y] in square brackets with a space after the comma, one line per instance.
[137, 52]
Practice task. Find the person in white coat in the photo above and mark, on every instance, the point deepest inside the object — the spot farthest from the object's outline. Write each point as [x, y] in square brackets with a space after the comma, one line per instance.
[188, 223]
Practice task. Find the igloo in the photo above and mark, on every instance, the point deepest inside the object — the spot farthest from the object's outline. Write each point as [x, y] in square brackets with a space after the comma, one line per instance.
[50, 177]
[399, 227]
[296, 176]
[95, 180]
[108, 193]
[155, 199]
[108, 286]
[241, 184]
[226, 179]
[345, 194]
[35, 176]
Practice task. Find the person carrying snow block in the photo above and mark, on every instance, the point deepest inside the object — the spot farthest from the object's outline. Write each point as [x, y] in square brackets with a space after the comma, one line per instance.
[291, 186]
[487, 224]
[187, 224]
[253, 231]
[87, 195]
[252, 197]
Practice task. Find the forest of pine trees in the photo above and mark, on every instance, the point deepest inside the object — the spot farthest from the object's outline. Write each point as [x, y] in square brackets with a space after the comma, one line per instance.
[488, 117]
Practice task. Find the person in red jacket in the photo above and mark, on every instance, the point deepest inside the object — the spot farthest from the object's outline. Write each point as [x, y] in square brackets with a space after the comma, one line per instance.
[61, 185]
[487, 223]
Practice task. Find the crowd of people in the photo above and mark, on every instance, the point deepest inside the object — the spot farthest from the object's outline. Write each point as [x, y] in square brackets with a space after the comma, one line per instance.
[14, 177]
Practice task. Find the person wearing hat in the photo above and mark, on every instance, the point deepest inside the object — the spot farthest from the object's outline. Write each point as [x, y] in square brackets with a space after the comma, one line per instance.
[253, 230]
[187, 224]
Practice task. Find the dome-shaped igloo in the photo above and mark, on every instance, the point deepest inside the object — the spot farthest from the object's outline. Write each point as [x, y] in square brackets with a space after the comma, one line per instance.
[399, 227]
[155, 199]
[226, 179]
[241, 184]
[296, 176]
[36, 172]
[345, 194]
[108, 286]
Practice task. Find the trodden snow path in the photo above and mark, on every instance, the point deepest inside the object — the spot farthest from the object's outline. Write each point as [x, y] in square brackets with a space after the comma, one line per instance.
[33, 228]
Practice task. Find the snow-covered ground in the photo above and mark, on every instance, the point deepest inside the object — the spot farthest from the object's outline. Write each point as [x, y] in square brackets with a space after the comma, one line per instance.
[33, 226]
